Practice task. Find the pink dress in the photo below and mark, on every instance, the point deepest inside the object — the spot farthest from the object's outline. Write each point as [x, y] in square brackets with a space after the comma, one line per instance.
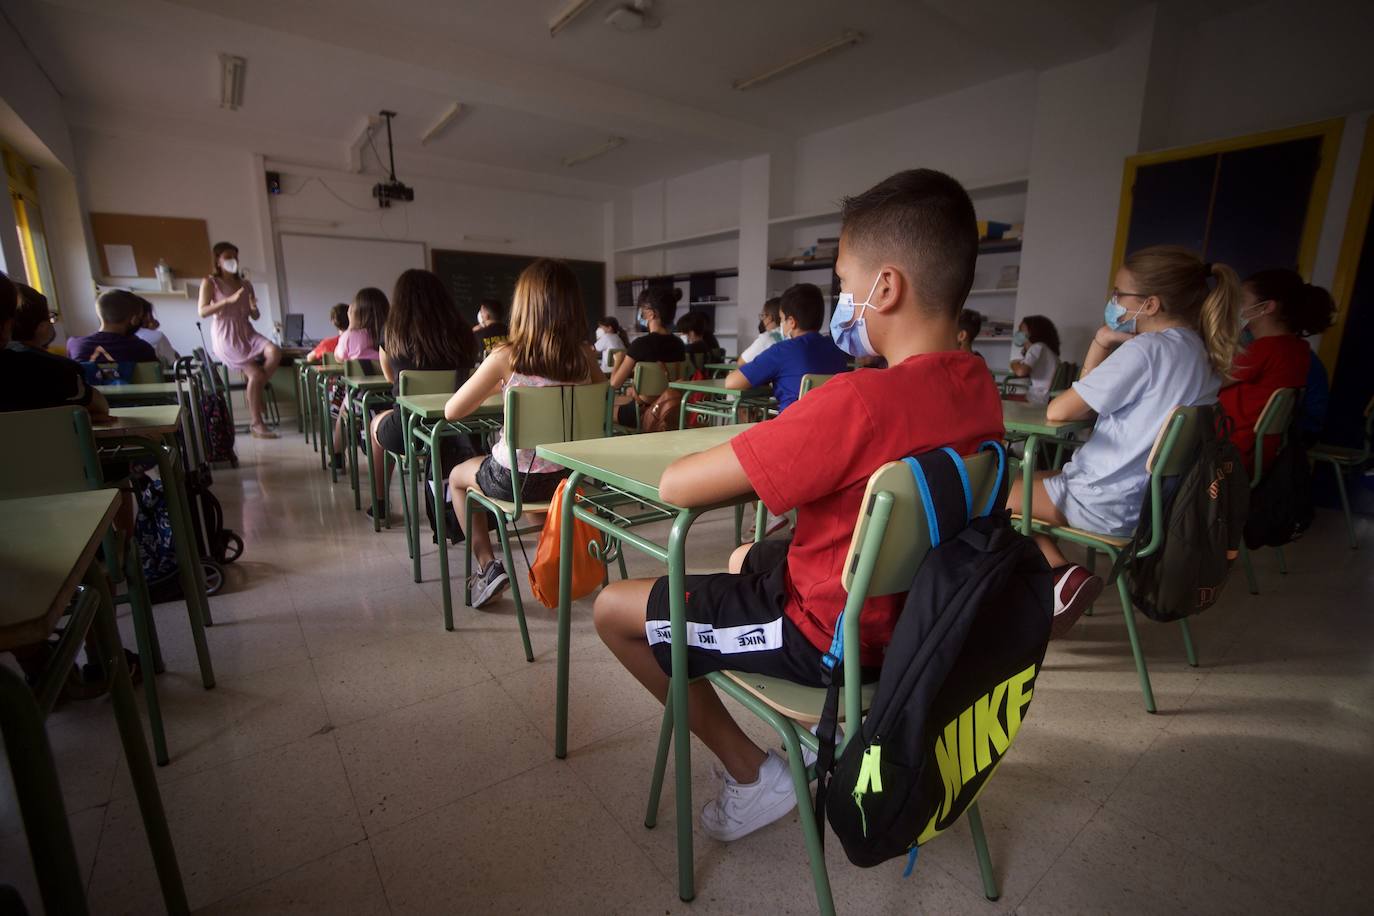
[233, 336]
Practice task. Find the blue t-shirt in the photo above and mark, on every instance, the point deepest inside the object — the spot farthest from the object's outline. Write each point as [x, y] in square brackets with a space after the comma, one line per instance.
[1134, 390]
[784, 364]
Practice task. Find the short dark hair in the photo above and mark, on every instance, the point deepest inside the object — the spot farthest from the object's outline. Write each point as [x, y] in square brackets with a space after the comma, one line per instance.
[338, 315]
[922, 220]
[117, 306]
[495, 308]
[1040, 329]
[970, 322]
[662, 298]
[9, 298]
[773, 309]
[804, 304]
[32, 314]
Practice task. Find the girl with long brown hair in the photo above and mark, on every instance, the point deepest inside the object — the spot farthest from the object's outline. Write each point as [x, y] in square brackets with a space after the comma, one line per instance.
[546, 347]
[1168, 341]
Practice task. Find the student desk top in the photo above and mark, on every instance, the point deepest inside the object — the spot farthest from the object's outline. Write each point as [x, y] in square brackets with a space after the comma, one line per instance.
[1027, 418]
[635, 466]
[144, 391]
[367, 382]
[153, 421]
[431, 406]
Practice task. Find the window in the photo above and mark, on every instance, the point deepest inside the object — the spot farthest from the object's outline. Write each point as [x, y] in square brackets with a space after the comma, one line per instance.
[22, 182]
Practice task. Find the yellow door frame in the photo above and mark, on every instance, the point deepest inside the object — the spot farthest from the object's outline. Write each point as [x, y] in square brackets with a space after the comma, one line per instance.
[1352, 243]
[1329, 131]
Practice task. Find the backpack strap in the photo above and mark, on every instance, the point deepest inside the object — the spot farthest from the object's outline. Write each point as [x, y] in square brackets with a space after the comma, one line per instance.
[998, 496]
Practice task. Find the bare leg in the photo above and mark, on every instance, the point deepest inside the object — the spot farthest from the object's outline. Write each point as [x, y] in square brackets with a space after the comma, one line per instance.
[253, 394]
[459, 479]
[1042, 509]
[379, 456]
[271, 359]
[619, 618]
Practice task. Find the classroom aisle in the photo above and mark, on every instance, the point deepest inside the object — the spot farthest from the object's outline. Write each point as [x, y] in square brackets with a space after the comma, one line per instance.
[356, 758]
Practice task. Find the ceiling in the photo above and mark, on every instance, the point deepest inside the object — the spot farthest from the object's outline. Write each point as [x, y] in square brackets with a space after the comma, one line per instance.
[317, 69]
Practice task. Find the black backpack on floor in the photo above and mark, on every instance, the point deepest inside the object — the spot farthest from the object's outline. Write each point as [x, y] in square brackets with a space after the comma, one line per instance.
[1281, 506]
[956, 679]
[1204, 512]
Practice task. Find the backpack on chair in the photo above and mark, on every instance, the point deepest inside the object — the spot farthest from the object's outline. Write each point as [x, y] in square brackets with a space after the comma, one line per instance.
[957, 677]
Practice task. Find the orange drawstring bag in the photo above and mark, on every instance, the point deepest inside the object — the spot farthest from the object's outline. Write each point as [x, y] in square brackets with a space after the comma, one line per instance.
[587, 570]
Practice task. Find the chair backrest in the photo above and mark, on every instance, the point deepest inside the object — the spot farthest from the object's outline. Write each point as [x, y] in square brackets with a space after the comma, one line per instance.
[906, 539]
[432, 381]
[1065, 374]
[357, 368]
[49, 451]
[328, 359]
[147, 373]
[1176, 443]
[651, 379]
[812, 380]
[561, 413]
[1277, 414]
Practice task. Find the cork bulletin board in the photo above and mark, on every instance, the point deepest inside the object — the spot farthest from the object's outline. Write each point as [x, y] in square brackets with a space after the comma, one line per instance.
[183, 243]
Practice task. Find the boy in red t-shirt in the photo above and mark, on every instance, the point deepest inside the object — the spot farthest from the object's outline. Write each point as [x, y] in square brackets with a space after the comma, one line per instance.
[909, 245]
[1277, 311]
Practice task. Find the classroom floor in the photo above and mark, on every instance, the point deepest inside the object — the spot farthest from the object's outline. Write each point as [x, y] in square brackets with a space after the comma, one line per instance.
[357, 758]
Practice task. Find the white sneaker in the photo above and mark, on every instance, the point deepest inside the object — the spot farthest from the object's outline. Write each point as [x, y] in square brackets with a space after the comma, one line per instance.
[809, 756]
[740, 810]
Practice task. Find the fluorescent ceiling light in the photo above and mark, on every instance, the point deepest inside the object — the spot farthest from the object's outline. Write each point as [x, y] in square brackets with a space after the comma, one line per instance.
[850, 37]
[569, 13]
[447, 118]
[232, 69]
[603, 149]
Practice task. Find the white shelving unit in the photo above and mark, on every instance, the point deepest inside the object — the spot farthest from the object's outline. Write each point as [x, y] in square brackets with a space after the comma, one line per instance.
[701, 238]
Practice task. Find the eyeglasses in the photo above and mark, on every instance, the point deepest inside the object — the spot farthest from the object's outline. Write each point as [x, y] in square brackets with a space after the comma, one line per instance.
[1117, 294]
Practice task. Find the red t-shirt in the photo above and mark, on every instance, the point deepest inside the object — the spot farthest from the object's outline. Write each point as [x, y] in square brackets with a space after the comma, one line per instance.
[327, 345]
[817, 456]
[1268, 364]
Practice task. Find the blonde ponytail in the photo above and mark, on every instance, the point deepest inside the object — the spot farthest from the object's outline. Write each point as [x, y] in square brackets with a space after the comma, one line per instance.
[1180, 279]
[1219, 320]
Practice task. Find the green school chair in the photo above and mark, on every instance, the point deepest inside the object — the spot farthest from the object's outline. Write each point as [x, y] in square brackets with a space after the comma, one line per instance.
[1274, 420]
[1172, 454]
[889, 543]
[1347, 461]
[534, 417]
[415, 382]
[57, 455]
[651, 379]
[146, 373]
[811, 380]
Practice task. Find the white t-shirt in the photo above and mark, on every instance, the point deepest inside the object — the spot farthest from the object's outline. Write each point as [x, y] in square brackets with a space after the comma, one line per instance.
[1133, 391]
[1043, 364]
[605, 343]
[166, 353]
[761, 343]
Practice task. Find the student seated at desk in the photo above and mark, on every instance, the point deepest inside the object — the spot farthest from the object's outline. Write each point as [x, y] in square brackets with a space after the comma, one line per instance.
[491, 328]
[366, 318]
[33, 321]
[545, 348]
[338, 316]
[657, 308]
[694, 330]
[609, 336]
[147, 328]
[805, 350]
[909, 245]
[770, 331]
[1277, 310]
[1038, 340]
[423, 331]
[1168, 341]
[970, 324]
[119, 310]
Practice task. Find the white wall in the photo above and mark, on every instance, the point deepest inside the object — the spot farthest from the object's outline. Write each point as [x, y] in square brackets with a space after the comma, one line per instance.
[32, 99]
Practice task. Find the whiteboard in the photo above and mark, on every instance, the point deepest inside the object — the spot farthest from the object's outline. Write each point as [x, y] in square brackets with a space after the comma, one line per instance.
[321, 270]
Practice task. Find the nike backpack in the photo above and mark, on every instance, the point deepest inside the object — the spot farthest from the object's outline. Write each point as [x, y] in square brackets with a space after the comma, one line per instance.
[956, 680]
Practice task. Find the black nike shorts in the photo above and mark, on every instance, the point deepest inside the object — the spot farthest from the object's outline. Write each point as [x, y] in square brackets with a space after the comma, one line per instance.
[736, 621]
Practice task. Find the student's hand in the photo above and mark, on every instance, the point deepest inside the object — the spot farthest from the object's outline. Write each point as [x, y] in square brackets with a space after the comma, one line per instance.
[236, 295]
[1108, 339]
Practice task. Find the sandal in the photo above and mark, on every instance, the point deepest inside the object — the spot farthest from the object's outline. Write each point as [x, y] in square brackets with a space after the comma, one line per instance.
[262, 432]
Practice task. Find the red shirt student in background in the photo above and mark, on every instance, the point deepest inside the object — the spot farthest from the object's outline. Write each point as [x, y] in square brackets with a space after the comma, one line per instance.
[907, 251]
[1277, 311]
[338, 316]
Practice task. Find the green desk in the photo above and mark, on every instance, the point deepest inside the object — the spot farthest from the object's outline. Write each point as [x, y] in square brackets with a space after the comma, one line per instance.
[1022, 418]
[722, 403]
[151, 432]
[364, 391]
[721, 368]
[167, 392]
[424, 428]
[152, 393]
[323, 378]
[47, 547]
[636, 472]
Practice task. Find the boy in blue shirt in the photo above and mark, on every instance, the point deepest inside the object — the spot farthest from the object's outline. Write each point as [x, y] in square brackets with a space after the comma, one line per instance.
[804, 351]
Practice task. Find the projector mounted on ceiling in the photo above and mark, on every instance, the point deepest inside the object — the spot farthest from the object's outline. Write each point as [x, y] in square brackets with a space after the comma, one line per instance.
[392, 189]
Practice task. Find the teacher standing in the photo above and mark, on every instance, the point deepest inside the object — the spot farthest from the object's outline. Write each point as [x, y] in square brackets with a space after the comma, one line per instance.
[231, 300]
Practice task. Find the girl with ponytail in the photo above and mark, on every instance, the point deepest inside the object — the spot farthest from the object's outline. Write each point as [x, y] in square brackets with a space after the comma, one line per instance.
[1277, 311]
[1169, 339]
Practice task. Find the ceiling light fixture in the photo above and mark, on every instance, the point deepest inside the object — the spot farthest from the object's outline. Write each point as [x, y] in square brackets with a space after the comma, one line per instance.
[850, 37]
[231, 74]
[447, 118]
[569, 13]
[603, 149]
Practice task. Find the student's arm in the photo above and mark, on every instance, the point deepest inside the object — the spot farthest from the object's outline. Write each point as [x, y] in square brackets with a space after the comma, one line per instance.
[98, 407]
[482, 384]
[760, 372]
[208, 305]
[253, 312]
[1118, 380]
[1019, 369]
[704, 479]
[1069, 405]
[736, 381]
[387, 369]
[1104, 342]
[623, 371]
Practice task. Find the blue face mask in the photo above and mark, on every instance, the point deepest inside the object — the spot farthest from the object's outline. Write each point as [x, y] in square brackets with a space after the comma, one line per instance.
[1018, 339]
[847, 327]
[1115, 316]
[640, 323]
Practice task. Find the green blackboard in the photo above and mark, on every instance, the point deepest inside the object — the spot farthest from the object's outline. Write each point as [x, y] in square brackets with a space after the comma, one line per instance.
[475, 275]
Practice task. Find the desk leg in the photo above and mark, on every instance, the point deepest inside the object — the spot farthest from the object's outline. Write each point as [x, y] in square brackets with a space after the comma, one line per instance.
[565, 548]
[36, 787]
[136, 752]
[682, 412]
[371, 466]
[191, 572]
[413, 517]
[677, 696]
[351, 450]
[1028, 481]
[324, 432]
[436, 450]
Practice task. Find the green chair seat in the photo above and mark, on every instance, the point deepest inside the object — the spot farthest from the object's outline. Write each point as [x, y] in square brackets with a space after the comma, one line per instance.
[795, 701]
[1078, 535]
[508, 505]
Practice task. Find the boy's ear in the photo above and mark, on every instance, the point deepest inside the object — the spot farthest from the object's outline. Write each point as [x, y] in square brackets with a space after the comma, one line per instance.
[892, 287]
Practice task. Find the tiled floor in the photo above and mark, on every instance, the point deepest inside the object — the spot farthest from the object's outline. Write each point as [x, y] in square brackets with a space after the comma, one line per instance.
[356, 758]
